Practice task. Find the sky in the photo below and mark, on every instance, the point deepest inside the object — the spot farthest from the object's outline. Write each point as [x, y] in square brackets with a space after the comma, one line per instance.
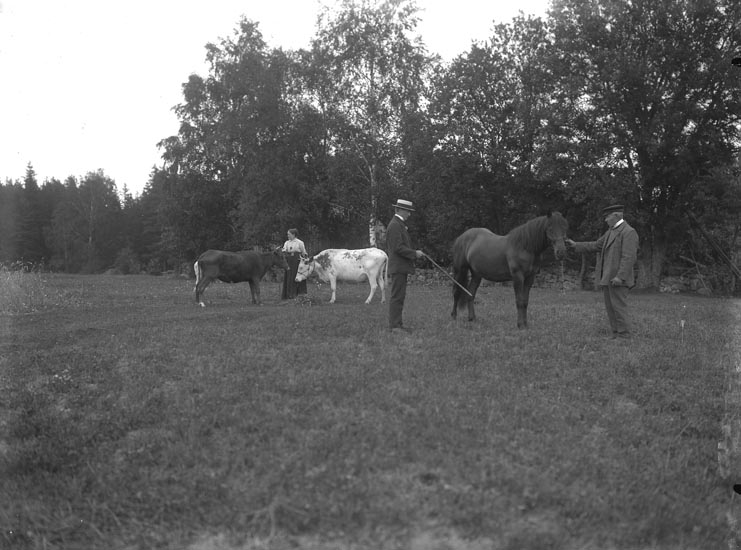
[91, 84]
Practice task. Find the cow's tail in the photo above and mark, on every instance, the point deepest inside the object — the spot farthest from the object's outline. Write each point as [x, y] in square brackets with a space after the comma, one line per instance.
[386, 273]
[199, 277]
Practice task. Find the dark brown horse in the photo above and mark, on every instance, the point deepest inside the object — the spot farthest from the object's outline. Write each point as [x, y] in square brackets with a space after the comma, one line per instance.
[514, 257]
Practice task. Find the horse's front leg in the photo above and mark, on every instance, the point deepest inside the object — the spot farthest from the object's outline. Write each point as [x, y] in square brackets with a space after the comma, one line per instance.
[472, 288]
[522, 297]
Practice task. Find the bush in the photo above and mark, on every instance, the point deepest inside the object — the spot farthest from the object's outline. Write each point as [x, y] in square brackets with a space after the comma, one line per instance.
[27, 292]
[127, 262]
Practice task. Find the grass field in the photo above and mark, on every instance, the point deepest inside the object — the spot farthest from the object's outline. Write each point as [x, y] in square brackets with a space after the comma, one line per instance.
[130, 418]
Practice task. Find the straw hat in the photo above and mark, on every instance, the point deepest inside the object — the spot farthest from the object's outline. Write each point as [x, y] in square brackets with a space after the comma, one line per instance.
[406, 205]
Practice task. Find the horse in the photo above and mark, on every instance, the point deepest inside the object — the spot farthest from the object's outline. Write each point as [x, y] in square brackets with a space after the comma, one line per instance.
[513, 257]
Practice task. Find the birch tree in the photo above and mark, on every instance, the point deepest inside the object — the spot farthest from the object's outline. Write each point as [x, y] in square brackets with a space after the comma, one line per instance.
[371, 73]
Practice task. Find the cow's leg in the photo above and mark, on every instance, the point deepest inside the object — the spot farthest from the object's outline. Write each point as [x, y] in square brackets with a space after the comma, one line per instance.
[382, 286]
[255, 291]
[201, 288]
[373, 285]
[333, 286]
[199, 280]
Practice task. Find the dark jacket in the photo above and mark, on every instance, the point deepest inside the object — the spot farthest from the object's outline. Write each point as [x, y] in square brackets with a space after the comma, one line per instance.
[399, 247]
[619, 250]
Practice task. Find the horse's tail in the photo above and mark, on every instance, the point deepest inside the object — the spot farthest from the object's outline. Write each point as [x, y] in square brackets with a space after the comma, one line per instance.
[460, 273]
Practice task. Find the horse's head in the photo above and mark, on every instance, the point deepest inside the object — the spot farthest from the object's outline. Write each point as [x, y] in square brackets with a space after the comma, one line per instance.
[556, 229]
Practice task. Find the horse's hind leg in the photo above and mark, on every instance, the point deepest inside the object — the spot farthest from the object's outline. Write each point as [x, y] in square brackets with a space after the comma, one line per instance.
[456, 297]
[460, 275]
[472, 288]
[522, 297]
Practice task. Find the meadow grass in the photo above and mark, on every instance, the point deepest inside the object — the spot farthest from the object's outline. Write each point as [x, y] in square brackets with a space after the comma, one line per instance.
[131, 418]
[28, 292]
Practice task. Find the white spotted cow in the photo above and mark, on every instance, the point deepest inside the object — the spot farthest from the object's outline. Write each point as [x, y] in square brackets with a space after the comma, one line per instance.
[339, 264]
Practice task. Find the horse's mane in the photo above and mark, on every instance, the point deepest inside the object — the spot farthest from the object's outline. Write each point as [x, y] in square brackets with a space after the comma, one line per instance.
[531, 235]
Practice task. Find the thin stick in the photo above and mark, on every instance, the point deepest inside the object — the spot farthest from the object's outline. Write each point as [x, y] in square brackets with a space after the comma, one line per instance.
[448, 274]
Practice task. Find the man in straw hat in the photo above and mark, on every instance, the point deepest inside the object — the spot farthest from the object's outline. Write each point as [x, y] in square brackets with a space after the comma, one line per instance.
[614, 269]
[400, 263]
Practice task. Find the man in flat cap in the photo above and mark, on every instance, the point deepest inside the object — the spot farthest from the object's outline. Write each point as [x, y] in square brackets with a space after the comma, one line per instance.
[614, 269]
[401, 262]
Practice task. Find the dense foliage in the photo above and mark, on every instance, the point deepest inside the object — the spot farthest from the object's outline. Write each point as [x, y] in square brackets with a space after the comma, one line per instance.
[603, 100]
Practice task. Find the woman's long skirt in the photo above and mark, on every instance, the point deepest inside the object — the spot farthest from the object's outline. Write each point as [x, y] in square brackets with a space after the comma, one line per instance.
[291, 288]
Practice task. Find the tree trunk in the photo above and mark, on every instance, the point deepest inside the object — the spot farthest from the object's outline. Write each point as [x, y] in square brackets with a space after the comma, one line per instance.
[735, 257]
[583, 271]
[651, 262]
[372, 230]
[377, 232]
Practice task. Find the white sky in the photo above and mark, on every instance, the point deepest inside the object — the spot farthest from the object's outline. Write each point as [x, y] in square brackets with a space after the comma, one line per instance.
[90, 84]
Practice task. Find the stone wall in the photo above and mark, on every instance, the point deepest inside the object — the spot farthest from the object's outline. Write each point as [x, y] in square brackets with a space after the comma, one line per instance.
[551, 277]
[546, 278]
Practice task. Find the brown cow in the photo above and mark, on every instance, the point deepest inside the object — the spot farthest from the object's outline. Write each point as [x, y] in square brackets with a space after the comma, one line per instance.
[235, 267]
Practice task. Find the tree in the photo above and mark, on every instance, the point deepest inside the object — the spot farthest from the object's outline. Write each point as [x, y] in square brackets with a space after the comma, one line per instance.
[231, 146]
[370, 74]
[99, 211]
[651, 93]
[491, 110]
[31, 220]
[10, 200]
[66, 232]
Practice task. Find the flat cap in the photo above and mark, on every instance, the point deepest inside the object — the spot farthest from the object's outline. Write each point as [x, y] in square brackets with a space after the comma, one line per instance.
[613, 208]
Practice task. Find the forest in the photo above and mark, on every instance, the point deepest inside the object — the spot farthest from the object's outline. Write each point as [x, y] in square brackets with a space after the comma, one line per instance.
[601, 101]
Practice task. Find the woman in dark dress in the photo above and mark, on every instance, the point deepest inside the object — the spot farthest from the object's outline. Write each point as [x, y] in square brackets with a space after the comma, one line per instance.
[293, 248]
